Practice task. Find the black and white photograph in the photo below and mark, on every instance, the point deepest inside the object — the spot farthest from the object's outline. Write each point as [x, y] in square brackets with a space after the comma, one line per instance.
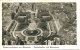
[39, 23]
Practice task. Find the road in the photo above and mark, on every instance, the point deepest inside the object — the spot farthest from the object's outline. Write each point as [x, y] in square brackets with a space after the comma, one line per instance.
[52, 26]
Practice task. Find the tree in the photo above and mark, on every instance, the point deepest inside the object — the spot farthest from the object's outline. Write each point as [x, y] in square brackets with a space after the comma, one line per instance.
[43, 25]
[12, 15]
[21, 20]
[49, 18]
[3, 42]
[39, 15]
[20, 4]
[43, 20]
[16, 16]
[17, 9]
[9, 42]
[23, 25]
[41, 39]
[21, 42]
[28, 15]
[5, 5]
[62, 42]
[3, 32]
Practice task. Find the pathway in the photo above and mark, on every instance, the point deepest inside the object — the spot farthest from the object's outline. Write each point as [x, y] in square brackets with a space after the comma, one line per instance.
[57, 24]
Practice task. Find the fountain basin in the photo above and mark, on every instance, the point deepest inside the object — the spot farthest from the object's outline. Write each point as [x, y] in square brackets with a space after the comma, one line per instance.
[28, 32]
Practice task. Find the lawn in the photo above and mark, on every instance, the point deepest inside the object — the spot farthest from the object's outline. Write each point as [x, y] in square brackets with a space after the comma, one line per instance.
[19, 35]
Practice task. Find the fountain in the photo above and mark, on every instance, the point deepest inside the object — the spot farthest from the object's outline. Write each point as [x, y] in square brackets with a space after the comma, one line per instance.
[32, 30]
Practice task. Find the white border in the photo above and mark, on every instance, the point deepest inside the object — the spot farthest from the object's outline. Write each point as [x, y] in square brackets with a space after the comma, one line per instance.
[60, 46]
